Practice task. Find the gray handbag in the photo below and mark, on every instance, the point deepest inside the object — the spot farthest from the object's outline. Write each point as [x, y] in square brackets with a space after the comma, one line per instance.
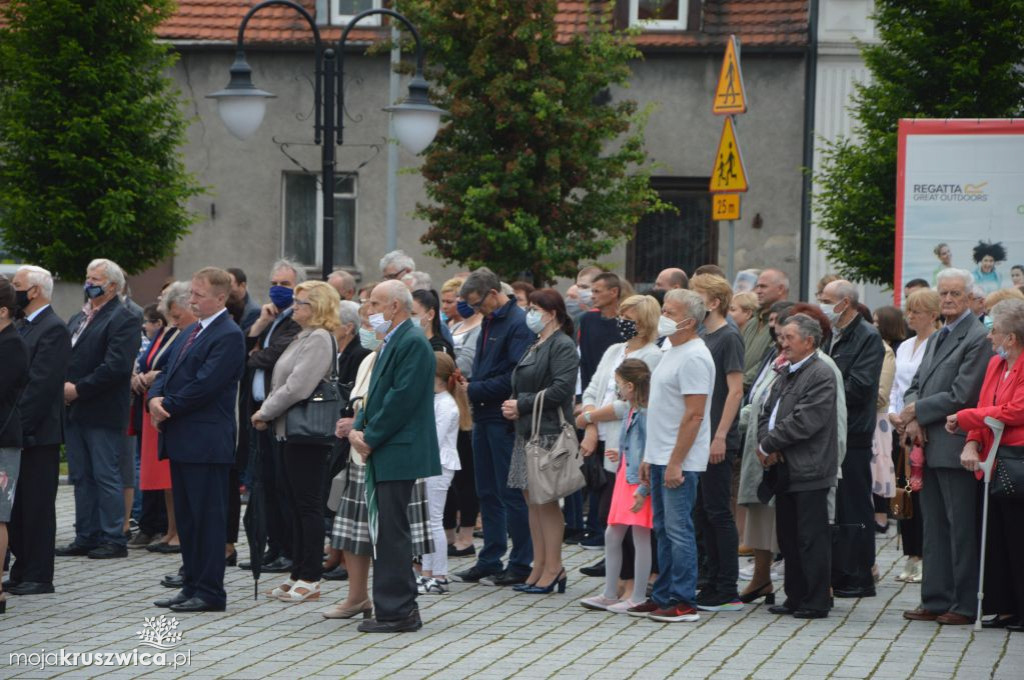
[312, 420]
[554, 472]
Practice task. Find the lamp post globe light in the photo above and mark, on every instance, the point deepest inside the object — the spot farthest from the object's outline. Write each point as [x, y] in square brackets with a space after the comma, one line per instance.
[241, 105]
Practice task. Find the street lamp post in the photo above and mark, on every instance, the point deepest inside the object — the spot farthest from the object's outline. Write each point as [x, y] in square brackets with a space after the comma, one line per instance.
[242, 105]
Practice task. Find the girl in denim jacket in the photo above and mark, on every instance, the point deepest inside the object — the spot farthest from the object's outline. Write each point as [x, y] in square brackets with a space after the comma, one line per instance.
[631, 502]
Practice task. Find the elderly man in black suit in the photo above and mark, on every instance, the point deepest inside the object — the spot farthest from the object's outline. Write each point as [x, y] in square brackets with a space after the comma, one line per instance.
[33, 525]
[192, 403]
[105, 339]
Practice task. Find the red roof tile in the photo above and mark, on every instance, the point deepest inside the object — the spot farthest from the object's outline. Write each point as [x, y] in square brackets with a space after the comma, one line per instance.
[768, 23]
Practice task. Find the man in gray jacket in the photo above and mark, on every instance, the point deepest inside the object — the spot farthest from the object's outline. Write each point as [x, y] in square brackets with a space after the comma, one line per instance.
[949, 379]
[798, 432]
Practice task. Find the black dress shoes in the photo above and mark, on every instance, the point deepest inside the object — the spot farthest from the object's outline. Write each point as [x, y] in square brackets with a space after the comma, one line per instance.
[810, 614]
[339, 573]
[464, 552]
[232, 559]
[171, 601]
[173, 581]
[505, 578]
[409, 624]
[196, 604]
[998, 622]
[29, 588]
[72, 550]
[108, 551]
[781, 610]
[163, 548]
[281, 565]
[854, 592]
[473, 574]
[594, 570]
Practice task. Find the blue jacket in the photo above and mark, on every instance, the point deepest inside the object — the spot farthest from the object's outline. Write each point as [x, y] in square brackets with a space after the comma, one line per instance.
[199, 393]
[503, 340]
[631, 446]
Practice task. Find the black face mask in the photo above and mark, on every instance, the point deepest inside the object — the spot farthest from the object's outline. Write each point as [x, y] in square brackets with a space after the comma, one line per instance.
[627, 329]
[771, 332]
[21, 299]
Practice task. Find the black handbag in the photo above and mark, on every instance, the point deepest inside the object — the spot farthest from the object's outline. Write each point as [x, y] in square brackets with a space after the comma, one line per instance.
[312, 420]
[1008, 473]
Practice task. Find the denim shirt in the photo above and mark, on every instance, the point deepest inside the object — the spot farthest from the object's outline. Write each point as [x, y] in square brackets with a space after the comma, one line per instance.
[631, 446]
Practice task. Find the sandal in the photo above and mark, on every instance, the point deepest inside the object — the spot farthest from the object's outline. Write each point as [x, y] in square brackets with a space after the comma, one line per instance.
[282, 589]
[302, 591]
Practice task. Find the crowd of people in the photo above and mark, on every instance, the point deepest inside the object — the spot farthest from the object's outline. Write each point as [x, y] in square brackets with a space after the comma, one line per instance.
[389, 426]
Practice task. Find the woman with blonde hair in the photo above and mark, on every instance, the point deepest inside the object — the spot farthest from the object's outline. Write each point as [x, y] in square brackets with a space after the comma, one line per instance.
[309, 359]
[743, 308]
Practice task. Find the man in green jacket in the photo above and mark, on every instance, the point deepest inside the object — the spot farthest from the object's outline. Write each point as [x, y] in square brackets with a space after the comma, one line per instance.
[396, 432]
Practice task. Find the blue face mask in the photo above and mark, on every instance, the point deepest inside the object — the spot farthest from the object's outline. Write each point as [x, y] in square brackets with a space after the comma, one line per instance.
[465, 311]
[368, 339]
[92, 291]
[1003, 354]
[987, 322]
[281, 296]
[444, 318]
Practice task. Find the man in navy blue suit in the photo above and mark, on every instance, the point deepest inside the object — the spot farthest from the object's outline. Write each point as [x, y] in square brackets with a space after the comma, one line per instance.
[192, 403]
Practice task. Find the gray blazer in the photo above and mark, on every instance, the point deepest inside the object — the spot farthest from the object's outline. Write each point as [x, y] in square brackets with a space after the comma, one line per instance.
[945, 382]
[806, 428]
[549, 366]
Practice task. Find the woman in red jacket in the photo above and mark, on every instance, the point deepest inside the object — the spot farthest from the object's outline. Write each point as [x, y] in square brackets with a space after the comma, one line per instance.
[1002, 397]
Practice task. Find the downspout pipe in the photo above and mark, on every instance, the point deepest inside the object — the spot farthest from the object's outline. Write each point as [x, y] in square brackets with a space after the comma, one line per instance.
[810, 96]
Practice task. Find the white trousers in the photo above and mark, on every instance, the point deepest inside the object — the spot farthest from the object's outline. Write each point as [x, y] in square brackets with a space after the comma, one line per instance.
[437, 492]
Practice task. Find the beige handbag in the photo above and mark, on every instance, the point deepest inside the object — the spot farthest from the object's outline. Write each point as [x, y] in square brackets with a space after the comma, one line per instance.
[552, 473]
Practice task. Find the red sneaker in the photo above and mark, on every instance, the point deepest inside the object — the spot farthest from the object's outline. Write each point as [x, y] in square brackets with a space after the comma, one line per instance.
[643, 609]
[675, 613]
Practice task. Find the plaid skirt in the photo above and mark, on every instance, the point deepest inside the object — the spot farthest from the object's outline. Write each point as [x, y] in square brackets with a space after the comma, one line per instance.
[351, 529]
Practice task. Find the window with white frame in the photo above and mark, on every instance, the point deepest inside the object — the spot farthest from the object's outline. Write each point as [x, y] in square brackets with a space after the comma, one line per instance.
[658, 15]
[342, 11]
[303, 214]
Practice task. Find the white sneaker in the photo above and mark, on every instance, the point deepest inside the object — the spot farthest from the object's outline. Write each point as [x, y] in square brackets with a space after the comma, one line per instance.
[778, 570]
[908, 570]
[599, 603]
[918, 573]
[433, 586]
[621, 607]
[747, 572]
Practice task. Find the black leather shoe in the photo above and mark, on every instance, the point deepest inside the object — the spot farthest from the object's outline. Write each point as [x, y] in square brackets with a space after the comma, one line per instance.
[854, 592]
[505, 578]
[245, 565]
[108, 551]
[1016, 627]
[339, 573]
[171, 601]
[594, 570]
[473, 574]
[72, 550]
[279, 566]
[810, 614]
[29, 588]
[196, 604]
[232, 559]
[163, 548]
[995, 621]
[780, 610]
[409, 624]
[464, 552]
[173, 581]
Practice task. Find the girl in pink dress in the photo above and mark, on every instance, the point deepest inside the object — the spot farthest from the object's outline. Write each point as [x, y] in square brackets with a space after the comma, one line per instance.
[631, 500]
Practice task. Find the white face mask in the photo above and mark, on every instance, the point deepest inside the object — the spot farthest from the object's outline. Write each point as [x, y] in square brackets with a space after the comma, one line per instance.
[666, 327]
[829, 310]
[379, 323]
[586, 297]
[535, 321]
[368, 339]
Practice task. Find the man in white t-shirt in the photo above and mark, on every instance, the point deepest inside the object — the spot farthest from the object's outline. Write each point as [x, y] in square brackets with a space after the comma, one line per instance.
[676, 452]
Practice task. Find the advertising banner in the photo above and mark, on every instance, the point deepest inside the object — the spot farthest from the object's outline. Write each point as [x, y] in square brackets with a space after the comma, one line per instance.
[960, 201]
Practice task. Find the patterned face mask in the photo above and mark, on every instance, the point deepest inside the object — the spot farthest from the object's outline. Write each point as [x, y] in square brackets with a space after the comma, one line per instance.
[627, 328]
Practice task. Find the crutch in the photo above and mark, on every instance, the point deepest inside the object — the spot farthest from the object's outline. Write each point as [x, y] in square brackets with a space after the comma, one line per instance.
[997, 434]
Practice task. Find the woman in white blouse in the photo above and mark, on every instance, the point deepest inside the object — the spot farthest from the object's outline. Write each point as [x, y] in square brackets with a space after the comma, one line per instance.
[923, 318]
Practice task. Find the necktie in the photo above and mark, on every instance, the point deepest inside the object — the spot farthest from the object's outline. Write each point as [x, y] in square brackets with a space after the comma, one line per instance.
[943, 334]
[188, 342]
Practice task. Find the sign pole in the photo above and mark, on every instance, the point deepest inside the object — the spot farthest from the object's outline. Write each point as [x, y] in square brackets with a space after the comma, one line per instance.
[728, 175]
[731, 269]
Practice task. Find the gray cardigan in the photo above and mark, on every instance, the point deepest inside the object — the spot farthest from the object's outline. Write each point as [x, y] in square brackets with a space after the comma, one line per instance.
[304, 363]
[551, 366]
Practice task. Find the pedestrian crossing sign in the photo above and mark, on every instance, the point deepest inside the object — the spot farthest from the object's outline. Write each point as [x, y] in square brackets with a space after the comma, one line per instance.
[728, 174]
[729, 94]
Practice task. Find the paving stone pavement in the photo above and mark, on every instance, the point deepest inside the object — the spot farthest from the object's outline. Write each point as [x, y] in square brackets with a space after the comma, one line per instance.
[478, 631]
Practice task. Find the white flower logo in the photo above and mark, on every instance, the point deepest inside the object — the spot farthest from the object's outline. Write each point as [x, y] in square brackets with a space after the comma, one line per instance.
[160, 632]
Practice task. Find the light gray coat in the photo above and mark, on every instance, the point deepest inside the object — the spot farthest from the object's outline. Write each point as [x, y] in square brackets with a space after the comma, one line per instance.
[304, 363]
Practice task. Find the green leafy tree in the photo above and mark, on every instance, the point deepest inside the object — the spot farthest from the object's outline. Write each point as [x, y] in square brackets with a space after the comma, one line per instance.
[90, 130]
[539, 168]
[936, 59]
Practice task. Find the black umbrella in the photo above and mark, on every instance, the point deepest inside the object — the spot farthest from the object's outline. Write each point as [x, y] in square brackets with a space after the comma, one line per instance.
[255, 519]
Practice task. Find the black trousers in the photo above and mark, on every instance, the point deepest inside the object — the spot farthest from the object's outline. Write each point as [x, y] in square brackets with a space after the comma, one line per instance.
[461, 507]
[275, 495]
[153, 519]
[1004, 558]
[854, 506]
[718, 527]
[394, 586]
[304, 475]
[33, 525]
[801, 521]
[201, 508]
[234, 504]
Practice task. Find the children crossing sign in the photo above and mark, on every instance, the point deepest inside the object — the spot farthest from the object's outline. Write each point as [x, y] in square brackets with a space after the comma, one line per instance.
[729, 94]
[728, 175]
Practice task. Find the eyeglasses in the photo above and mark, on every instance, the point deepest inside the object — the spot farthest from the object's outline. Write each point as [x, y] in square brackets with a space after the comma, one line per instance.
[304, 303]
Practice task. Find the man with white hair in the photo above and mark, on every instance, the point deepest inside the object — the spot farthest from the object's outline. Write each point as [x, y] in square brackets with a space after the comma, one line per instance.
[948, 380]
[417, 281]
[396, 433]
[676, 452]
[395, 265]
[344, 283]
[33, 524]
[772, 286]
[858, 351]
[105, 338]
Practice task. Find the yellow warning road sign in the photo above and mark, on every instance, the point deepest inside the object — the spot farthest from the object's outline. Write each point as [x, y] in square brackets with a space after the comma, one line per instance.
[728, 174]
[729, 94]
[725, 207]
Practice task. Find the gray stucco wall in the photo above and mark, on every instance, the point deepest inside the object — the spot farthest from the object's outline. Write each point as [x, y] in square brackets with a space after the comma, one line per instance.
[241, 217]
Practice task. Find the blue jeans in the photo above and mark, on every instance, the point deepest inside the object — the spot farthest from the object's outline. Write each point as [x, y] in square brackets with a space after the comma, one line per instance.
[677, 545]
[572, 510]
[502, 509]
[94, 467]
